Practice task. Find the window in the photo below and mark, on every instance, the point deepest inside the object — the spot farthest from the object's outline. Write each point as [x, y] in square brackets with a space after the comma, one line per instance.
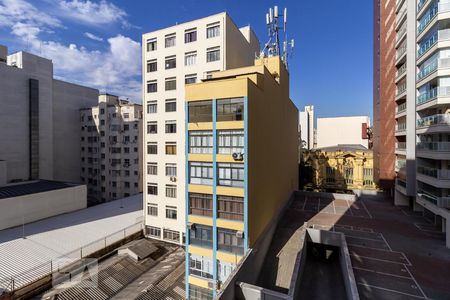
[152, 189]
[200, 204]
[201, 235]
[170, 40]
[200, 173]
[348, 175]
[152, 66]
[171, 212]
[212, 30]
[152, 209]
[126, 115]
[171, 191]
[152, 168]
[152, 107]
[331, 173]
[200, 111]
[152, 86]
[171, 235]
[191, 78]
[154, 231]
[231, 174]
[152, 128]
[228, 241]
[212, 54]
[231, 109]
[224, 269]
[171, 170]
[171, 84]
[171, 105]
[190, 35]
[171, 148]
[230, 141]
[200, 266]
[199, 293]
[209, 74]
[230, 208]
[171, 126]
[152, 148]
[171, 62]
[200, 142]
[126, 127]
[190, 58]
[151, 45]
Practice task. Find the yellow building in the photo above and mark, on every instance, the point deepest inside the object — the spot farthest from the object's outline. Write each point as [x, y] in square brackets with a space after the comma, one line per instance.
[242, 151]
[341, 167]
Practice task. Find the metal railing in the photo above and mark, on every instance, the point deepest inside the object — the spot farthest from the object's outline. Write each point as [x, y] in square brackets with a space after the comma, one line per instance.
[440, 91]
[401, 32]
[400, 51]
[401, 70]
[400, 145]
[401, 108]
[434, 146]
[22, 279]
[429, 16]
[400, 127]
[438, 119]
[401, 88]
[443, 202]
[441, 174]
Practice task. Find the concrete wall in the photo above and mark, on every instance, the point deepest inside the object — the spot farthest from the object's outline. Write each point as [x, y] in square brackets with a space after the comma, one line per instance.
[3, 175]
[341, 130]
[32, 207]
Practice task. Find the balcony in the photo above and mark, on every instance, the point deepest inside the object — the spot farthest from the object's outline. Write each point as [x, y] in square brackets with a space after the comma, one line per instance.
[438, 36]
[438, 119]
[400, 108]
[430, 68]
[440, 91]
[400, 127]
[429, 16]
[400, 71]
[440, 174]
[433, 150]
[400, 51]
[400, 16]
[401, 88]
[420, 4]
[442, 202]
[400, 164]
[400, 146]
[401, 32]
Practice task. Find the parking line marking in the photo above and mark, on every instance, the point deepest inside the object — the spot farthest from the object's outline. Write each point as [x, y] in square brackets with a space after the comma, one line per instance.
[378, 259]
[357, 237]
[389, 246]
[415, 281]
[382, 273]
[370, 215]
[389, 290]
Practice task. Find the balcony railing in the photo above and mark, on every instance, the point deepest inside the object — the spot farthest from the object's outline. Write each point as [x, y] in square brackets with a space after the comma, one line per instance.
[400, 15]
[429, 16]
[421, 4]
[443, 202]
[400, 182]
[400, 164]
[401, 88]
[434, 146]
[440, 174]
[400, 127]
[401, 108]
[439, 119]
[401, 70]
[401, 32]
[440, 35]
[401, 50]
[400, 145]
[430, 68]
[440, 91]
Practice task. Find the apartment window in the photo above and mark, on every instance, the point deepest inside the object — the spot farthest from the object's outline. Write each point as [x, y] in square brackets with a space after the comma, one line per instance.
[126, 115]
[171, 169]
[200, 173]
[200, 142]
[191, 78]
[190, 58]
[170, 40]
[171, 212]
[152, 148]
[213, 54]
[190, 35]
[348, 175]
[171, 148]
[200, 204]
[199, 293]
[228, 241]
[230, 141]
[152, 128]
[209, 74]
[230, 208]
[171, 191]
[152, 168]
[212, 30]
[126, 127]
[231, 174]
[201, 235]
[331, 173]
[152, 189]
[171, 62]
[127, 173]
[200, 266]
[231, 109]
[171, 126]
[152, 86]
[224, 270]
[171, 235]
[151, 45]
[152, 66]
[171, 105]
[152, 107]
[152, 209]
[154, 231]
[171, 84]
[200, 111]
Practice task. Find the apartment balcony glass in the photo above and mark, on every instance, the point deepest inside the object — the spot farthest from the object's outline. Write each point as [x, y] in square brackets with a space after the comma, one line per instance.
[440, 174]
[401, 32]
[228, 241]
[400, 164]
[200, 111]
[401, 70]
[436, 200]
[428, 69]
[400, 145]
[401, 50]
[439, 35]
[429, 95]
[230, 208]
[420, 4]
[230, 141]
[201, 173]
[401, 88]
[200, 204]
[400, 15]
[400, 127]
[201, 236]
[231, 174]
[438, 119]
[401, 108]
[200, 142]
[427, 18]
[231, 109]
[434, 146]
[201, 266]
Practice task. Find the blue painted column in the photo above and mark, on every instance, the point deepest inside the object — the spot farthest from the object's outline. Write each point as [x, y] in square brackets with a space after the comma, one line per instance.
[246, 245]
[214, 185]
[187, 199]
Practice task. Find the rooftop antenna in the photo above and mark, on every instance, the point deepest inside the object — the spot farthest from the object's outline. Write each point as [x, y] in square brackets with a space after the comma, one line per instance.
[272, 47]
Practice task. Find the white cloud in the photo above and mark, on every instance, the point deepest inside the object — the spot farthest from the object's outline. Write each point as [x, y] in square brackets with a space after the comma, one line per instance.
[15, 11]
[93, 37]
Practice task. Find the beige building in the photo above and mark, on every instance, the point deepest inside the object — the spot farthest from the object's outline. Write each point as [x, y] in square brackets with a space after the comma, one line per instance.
[342, 130]
[111, 161]
[306, 127]
[173, 57]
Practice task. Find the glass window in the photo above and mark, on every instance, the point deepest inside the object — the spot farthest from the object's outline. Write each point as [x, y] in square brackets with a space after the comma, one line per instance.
[200, 173]
[152, 86]
[201, 235]
[212, 54]
[152, 209]
[171, 191]
[171, 148]
[152, 66]
[171, 169]
[152, 189]
[224, 270]
[171, 62]
[230, 208]
[200, 266]
[152, 148]
[231, 174]
[191, 78]
[200, 111]
[231, 109]
[212, 30]
[200, 204]
[152, 128]
[171, 105]
[331, 172]
[170, 40]
[171, 84]
[152, 168]
[228, 241]
[153, 231]
[230, 141]
[152, 107]
[171, 235]
[151, 45]
[171, 126]
[190, 58]
[199, 293]
[171, 212]
[190, 35]
[200, 142]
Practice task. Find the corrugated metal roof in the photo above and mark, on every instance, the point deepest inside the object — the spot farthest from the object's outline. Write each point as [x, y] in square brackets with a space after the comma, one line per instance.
[32, 188]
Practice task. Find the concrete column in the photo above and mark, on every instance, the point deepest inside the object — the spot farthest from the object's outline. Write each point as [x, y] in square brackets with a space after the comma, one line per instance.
[417, 206]
[400, 199]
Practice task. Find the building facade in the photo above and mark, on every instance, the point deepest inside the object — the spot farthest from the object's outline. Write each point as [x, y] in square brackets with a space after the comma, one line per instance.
[172, 57]
[234, 125]
[306, 121]
[39, 120]
[343, 130]
[111, 156]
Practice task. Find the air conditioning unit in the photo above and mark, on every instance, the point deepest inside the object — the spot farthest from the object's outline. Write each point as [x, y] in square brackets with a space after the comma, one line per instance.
[238, 156]
[240, 234]
[191, 226]
[173, 179]
[213, 284]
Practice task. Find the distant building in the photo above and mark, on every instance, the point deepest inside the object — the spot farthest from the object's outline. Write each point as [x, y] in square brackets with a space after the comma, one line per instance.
[306, 121]
[111, 149]
[342, 130]
[341, 168]
[241, 168]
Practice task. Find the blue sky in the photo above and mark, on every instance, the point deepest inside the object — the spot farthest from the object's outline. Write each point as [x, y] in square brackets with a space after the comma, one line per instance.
[97, 42]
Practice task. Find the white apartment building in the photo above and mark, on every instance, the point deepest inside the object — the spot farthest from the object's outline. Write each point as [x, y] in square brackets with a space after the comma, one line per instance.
[172, 57]
[306, 120]
[342, 130]
[111, 156]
